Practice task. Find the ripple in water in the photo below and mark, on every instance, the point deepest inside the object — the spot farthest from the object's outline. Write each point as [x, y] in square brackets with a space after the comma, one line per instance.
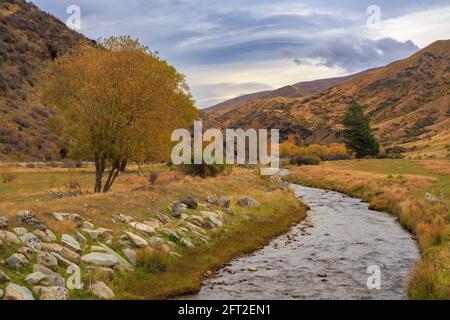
[324, 257]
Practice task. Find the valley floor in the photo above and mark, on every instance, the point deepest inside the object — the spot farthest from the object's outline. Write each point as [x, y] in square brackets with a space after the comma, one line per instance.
[417, 192]
[178, 252]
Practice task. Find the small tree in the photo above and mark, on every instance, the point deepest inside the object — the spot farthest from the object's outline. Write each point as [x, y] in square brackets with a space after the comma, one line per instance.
[357, 134]
[119, 102]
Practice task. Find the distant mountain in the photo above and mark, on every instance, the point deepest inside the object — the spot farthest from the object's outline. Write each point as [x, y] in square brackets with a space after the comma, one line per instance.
[297, 90]
[407, 101]
[29, 38]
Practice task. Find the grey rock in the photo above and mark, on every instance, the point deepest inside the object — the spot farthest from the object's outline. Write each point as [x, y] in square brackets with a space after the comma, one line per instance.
[122, 262]
[50, 235]
[46, 259]
[248, 202]
[41, 235]
[51, 293]
[131, 255]
[224, 202]
[75, 218]
[80, 237]
[20, 231]
[142, 227]
[100, 259]
[123, 218]
[177, 209]
[136, 240]
[27, 252]
[3, 222]
[101, 290]
[70, 242]
[9, 237]
[29, 218]
[16, 292]
[17, 261]
[1, 293]
[187, 243]
[189, 201]
[228, 211]
[34, 278]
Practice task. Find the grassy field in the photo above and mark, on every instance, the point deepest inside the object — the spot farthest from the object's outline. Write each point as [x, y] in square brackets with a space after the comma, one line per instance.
[403, 188]
[249, 228]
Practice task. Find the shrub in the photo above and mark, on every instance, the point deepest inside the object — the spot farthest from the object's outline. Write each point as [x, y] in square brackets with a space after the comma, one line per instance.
[152, 261]
[204, 170]
[307, 160]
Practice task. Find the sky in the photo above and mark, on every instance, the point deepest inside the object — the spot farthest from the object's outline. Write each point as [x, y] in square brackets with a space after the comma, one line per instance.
[229, 48]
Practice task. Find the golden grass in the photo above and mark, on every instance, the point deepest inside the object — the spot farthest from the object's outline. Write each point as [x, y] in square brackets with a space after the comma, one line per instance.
[397, 194]
[247, 230]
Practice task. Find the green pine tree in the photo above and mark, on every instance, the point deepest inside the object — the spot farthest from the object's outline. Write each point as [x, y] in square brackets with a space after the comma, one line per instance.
[357, 134]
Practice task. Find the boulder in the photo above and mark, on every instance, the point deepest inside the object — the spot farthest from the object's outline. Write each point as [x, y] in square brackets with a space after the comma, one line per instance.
[70, 255]
[16, 292]
[46, 259]
[248, 202]
[17, 261]
[51, 278]
[75, 218]
[9, 237]
[213, 218]
[3, 222]
[123, 218]
[97, 233]
[27, 252]
[100, 259]
[122, 262]
[101, 290]
[163, 218]
[41, 235]
[228, 211]
[50, 235]
[187, 243]
[136, 240]
[1, 293]
[51, 293]
[70, 242]
[177, 209]
[53, 247]
[80, 237]
[31, 241]
[224, 202]
[131, 255]
[34, 278]
[20, 231]
[190, 202]
[29, 218]
[142, 227]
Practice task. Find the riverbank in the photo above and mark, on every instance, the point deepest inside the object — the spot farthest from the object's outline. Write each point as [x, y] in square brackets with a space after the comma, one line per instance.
[177, 250]
[417, 192]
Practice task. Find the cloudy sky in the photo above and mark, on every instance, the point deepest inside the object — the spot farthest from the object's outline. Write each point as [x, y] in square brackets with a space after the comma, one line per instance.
[228, 48]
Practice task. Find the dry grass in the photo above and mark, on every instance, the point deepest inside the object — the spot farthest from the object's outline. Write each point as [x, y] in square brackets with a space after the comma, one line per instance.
[399, 195]
[247, 230]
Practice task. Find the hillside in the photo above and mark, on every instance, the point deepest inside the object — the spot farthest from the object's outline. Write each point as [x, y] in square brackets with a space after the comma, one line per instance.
[29, 38]
[408, 101]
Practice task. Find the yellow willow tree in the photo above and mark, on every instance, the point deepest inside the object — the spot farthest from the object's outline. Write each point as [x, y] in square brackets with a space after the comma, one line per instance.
[119, 102]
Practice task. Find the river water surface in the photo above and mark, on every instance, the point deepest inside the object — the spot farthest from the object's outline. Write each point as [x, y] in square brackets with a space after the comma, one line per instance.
[324, 257]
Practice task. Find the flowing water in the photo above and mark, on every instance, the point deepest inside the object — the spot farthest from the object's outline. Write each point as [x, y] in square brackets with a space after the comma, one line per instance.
[326, 256]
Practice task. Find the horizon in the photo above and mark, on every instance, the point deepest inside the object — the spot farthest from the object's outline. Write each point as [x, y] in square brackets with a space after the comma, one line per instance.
[240, 48]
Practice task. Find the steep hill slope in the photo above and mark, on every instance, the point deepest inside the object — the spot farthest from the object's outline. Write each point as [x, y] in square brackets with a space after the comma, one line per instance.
[407, 101]
[29, 38]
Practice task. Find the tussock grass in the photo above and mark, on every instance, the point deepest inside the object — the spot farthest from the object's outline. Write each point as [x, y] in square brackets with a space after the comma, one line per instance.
[402, 196]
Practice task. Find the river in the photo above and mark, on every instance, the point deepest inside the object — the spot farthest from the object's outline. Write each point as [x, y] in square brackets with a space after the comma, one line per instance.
[330, 255]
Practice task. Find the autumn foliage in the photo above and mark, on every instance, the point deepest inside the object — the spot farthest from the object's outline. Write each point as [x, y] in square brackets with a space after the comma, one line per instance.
[119, 102]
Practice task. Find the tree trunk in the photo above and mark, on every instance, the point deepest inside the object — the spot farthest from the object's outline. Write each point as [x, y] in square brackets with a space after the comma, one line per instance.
[99, 170]
[119, 166]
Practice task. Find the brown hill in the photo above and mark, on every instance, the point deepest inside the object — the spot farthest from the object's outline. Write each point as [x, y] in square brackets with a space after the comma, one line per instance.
[408, 101]
[29, 38]
[297, 90]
